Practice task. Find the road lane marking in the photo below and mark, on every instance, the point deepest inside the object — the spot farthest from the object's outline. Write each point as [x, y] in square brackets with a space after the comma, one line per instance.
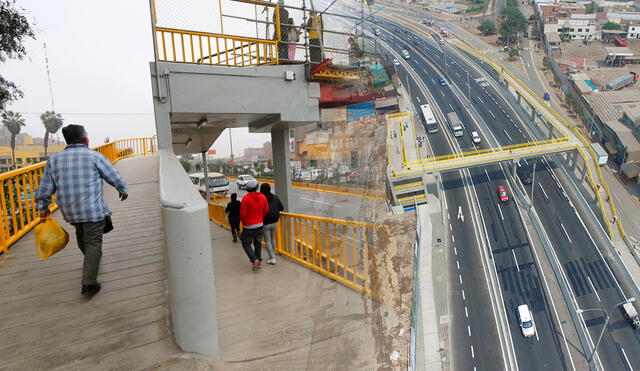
[543, 191]
[418, 98]
[507, 134]
[500, 210]
[492, 115]
[441, 92]
[480, 99]
[450, 228]
[453, 238]
[486, 172]
[458, 74]
[466, 312]
[321, 202]
[565, 233]
[472, 354]
[463, 296]
[516, 260]
[460, 278]
[594, 288]
[525, 161]
[626, 359]
[451, 106]
[455, 251]
[469, 330]
[458, 264]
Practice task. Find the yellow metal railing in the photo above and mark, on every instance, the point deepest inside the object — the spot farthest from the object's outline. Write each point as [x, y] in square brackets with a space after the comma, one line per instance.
[249, 43]
[566, 125]
[18, 212]
[336, 248]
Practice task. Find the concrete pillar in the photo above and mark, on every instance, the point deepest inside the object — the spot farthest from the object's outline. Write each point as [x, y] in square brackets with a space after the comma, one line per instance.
[533, 114]
[281, 167]
[550, 130]
[514, 167]
[518, 97]
[573, 160]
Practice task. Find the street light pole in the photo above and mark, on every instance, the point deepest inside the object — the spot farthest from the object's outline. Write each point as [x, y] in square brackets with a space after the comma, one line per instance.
[533, 183]
[606, 322]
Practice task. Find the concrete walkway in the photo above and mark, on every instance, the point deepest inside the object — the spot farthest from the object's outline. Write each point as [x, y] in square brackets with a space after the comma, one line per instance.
[47, 325]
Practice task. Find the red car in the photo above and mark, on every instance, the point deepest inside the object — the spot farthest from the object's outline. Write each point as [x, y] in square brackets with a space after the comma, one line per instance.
[502, 193]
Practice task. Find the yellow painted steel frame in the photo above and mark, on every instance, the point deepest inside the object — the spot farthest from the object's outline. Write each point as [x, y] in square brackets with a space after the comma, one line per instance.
[335, 248]
[18, 189]
[500, 68]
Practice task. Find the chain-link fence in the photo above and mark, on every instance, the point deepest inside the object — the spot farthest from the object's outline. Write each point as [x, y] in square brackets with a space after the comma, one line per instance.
[253, 32]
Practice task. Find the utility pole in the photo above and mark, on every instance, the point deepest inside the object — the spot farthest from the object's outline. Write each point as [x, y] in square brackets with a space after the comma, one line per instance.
[46, 63]
[533, 183]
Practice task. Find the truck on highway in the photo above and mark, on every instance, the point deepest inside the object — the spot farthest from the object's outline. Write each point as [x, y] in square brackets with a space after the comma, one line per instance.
[631, 315]
[431, 124]
[455, 124]
[622, 81]
[603, 156]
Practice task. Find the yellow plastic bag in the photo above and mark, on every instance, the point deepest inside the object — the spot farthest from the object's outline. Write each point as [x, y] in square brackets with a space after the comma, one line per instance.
[50, 238]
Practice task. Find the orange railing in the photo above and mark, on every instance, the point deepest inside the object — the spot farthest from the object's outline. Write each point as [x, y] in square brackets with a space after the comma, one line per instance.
[339, 249]
[18, 212]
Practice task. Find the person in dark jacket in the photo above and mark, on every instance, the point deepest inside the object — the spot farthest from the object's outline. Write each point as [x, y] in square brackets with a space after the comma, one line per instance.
[253, 208]
[233, 213]
[271, 221]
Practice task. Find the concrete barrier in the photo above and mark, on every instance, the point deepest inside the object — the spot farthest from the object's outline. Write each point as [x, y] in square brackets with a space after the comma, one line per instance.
[192, 296]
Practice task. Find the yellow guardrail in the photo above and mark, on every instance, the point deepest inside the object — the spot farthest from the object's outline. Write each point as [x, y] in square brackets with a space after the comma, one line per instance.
[18, 189]
[430, 160]
[223, 48]
[498, 67]
[336, 248]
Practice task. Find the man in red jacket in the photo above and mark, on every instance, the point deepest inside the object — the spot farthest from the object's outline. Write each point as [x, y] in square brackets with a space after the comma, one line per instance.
[253, 208]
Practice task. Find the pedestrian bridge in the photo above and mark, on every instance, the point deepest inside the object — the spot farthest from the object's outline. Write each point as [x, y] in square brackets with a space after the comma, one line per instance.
[325, 304]
[485, 156]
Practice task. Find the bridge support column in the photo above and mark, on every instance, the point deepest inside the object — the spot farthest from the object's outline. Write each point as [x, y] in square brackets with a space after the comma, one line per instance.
[518, 97]
[440, 193]
[281, 167]
[550, 130]
[573, 160]
[514, 167]
[533, 114]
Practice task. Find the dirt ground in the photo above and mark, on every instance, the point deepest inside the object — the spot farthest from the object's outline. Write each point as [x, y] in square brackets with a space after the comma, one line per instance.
[594, 55]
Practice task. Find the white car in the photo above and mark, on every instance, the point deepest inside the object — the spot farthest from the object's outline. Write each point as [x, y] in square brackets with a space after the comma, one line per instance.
[396, 62]
[525, 318]
[242, 181]
[405, 54]
[475, 137]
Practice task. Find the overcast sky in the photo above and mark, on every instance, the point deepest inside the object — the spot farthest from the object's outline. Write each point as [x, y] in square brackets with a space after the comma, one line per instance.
[99, 53]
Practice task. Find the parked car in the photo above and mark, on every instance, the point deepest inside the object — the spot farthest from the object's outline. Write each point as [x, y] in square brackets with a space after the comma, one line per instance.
[305, 176]
[502, 194]
[317, 174]
[242, 181]
[343, 170]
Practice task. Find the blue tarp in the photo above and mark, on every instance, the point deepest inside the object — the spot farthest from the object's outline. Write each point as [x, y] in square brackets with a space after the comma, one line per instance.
[356, 111]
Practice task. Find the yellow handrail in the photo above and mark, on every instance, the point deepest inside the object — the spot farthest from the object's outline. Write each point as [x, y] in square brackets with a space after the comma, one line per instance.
[336, 248]
[18, 212]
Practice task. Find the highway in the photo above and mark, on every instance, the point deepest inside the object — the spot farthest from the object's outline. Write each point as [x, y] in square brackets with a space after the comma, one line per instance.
[595, 280]
[512, 255]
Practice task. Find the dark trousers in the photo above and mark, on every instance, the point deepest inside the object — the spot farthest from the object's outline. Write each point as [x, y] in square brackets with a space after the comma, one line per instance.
[89, 236]
[235, 227]
[249, 236]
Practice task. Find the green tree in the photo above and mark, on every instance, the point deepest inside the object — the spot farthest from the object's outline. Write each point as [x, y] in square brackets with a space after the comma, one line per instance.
[52, 123]
[514, 52]
[511, 23]
[546, 62]
[611, 26]
[14, 30]
[13, 122]
[590, 8]
[487, 27]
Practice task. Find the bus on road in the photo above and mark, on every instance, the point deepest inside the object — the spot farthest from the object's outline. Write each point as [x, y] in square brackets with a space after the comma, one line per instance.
[455, 124]
[429, 119]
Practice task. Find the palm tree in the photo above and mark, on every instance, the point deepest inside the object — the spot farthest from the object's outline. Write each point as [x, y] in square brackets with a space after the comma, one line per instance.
[52, 122]
[13, 122]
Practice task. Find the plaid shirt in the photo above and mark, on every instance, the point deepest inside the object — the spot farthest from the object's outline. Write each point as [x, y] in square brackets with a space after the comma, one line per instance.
[76, 175]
